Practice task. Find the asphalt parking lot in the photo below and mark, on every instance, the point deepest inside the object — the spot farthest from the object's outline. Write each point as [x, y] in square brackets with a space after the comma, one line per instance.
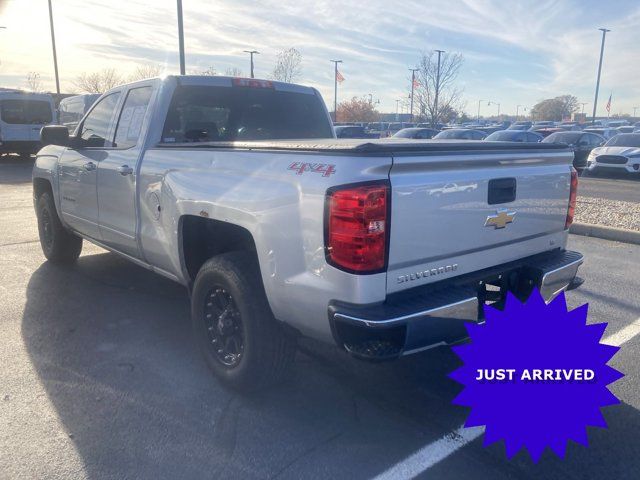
[99, 378]
[623, 187]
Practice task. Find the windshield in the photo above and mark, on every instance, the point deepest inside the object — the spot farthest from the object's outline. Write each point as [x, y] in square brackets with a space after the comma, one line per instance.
[456, 134]
[406, 133]
[209, 113]
[568, 138]
[503, 136]
[624, 140]
[32, 112]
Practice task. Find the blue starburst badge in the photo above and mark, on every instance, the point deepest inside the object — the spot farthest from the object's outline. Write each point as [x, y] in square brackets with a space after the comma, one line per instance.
[535, 375]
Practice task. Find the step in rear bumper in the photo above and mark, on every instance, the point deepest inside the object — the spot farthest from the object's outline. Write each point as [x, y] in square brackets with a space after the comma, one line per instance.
[426, 317]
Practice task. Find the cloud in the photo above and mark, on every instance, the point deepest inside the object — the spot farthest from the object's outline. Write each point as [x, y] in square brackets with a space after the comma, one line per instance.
[517, 51]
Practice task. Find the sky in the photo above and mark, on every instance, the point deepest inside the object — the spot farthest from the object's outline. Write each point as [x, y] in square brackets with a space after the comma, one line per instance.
[515, 52]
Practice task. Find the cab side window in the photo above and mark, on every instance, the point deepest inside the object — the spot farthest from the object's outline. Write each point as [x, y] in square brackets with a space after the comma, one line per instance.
[132, 116]
[95, 128]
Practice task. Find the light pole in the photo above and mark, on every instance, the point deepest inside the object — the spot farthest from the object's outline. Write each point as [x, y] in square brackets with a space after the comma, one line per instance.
[251, 54]
[181, 38]
[518, 108]
[53, 46]
[479, 101]
[595, 101]
[413, 83]
[495, 103]
[583, 104]
[634, 111]
[335, 88]
[435, 103]
[397, 103]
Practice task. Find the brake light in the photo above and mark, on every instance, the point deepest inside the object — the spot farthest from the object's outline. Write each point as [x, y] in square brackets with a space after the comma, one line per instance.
[251, 82]
[573, 193]
[356, 226]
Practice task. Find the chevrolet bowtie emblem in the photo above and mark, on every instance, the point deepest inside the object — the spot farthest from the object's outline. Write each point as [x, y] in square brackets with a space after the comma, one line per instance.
[500, 220]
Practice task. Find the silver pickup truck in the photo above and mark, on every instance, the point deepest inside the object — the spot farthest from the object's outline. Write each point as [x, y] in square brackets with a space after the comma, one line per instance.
[237, 189]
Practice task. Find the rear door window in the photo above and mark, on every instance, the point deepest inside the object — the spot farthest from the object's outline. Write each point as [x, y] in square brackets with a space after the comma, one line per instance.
[212, 113]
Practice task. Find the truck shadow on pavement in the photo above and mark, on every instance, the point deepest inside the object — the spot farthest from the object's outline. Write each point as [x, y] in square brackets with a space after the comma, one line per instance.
[111, 343]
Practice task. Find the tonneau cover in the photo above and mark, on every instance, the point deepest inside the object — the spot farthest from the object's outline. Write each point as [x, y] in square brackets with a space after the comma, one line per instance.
[369, 146]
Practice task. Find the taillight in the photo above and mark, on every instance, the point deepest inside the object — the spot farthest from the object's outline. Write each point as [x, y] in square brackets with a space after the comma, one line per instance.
[572, 198]
[357, 223]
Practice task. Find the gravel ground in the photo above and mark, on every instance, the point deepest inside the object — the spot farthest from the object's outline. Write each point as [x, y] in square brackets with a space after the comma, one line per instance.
[609, 213]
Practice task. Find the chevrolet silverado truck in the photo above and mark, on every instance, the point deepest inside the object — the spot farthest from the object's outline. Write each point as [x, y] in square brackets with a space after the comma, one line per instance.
[237, 189]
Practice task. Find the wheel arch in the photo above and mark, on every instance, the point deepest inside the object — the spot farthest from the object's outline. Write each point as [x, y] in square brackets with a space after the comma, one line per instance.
[201, 238]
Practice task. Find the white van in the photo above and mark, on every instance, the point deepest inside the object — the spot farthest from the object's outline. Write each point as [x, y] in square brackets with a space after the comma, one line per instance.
[72, 109]
[22, 115]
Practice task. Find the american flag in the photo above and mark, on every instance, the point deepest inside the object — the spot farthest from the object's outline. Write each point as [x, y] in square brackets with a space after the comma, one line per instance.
[339, 77]
[608, 107]
[416, 83]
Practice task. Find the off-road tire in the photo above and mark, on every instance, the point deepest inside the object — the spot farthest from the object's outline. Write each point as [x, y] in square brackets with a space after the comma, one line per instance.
[58, 244]
[268, 348]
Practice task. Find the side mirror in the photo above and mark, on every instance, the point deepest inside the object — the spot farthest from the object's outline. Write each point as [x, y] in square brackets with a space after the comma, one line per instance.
[54, 135]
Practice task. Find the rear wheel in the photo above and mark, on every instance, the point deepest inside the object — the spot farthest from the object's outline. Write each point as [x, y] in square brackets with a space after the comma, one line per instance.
[243, 344]
[58, 244]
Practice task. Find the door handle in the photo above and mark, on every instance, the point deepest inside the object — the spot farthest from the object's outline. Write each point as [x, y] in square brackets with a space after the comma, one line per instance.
[89, 166]
[124, 170]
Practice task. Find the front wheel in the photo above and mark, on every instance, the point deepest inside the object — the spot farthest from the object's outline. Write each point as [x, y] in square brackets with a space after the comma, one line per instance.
[243, 344]
[58, 244]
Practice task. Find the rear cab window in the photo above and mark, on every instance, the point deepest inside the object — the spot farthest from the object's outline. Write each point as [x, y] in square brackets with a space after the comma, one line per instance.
[217, 113]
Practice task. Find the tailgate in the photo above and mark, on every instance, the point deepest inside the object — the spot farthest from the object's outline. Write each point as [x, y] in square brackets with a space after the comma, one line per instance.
[454, 212]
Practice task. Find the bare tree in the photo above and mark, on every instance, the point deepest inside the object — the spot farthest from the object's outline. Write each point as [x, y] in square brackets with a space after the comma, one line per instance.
[33, 82]
[233, 72]
[98, 82]
[209, 71]
[288, 66]
[449, 94]
[146, 71]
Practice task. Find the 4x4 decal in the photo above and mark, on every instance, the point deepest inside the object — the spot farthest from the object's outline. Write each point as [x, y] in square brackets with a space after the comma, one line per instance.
[323, 168]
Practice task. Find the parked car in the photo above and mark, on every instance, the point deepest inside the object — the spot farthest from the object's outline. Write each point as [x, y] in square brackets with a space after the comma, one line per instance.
[626, 129]
[582, 143]
[315, 236]
[543, 124]
[353, 131]
[617, 123]
[72, 109]
[420, 133]
[520, 126]
[489, 130]
[545, 132]
[514, 136]
[22, 115]
[620, 153]
[460, 134]
[605, 132]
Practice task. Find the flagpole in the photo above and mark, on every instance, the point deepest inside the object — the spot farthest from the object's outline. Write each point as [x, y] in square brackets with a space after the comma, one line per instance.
[595, 102]
[335, 89]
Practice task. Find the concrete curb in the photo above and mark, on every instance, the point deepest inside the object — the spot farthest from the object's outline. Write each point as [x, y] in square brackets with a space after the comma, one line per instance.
[606, 233]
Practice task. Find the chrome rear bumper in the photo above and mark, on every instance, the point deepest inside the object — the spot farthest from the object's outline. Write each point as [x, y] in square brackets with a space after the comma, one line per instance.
[427, 317]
